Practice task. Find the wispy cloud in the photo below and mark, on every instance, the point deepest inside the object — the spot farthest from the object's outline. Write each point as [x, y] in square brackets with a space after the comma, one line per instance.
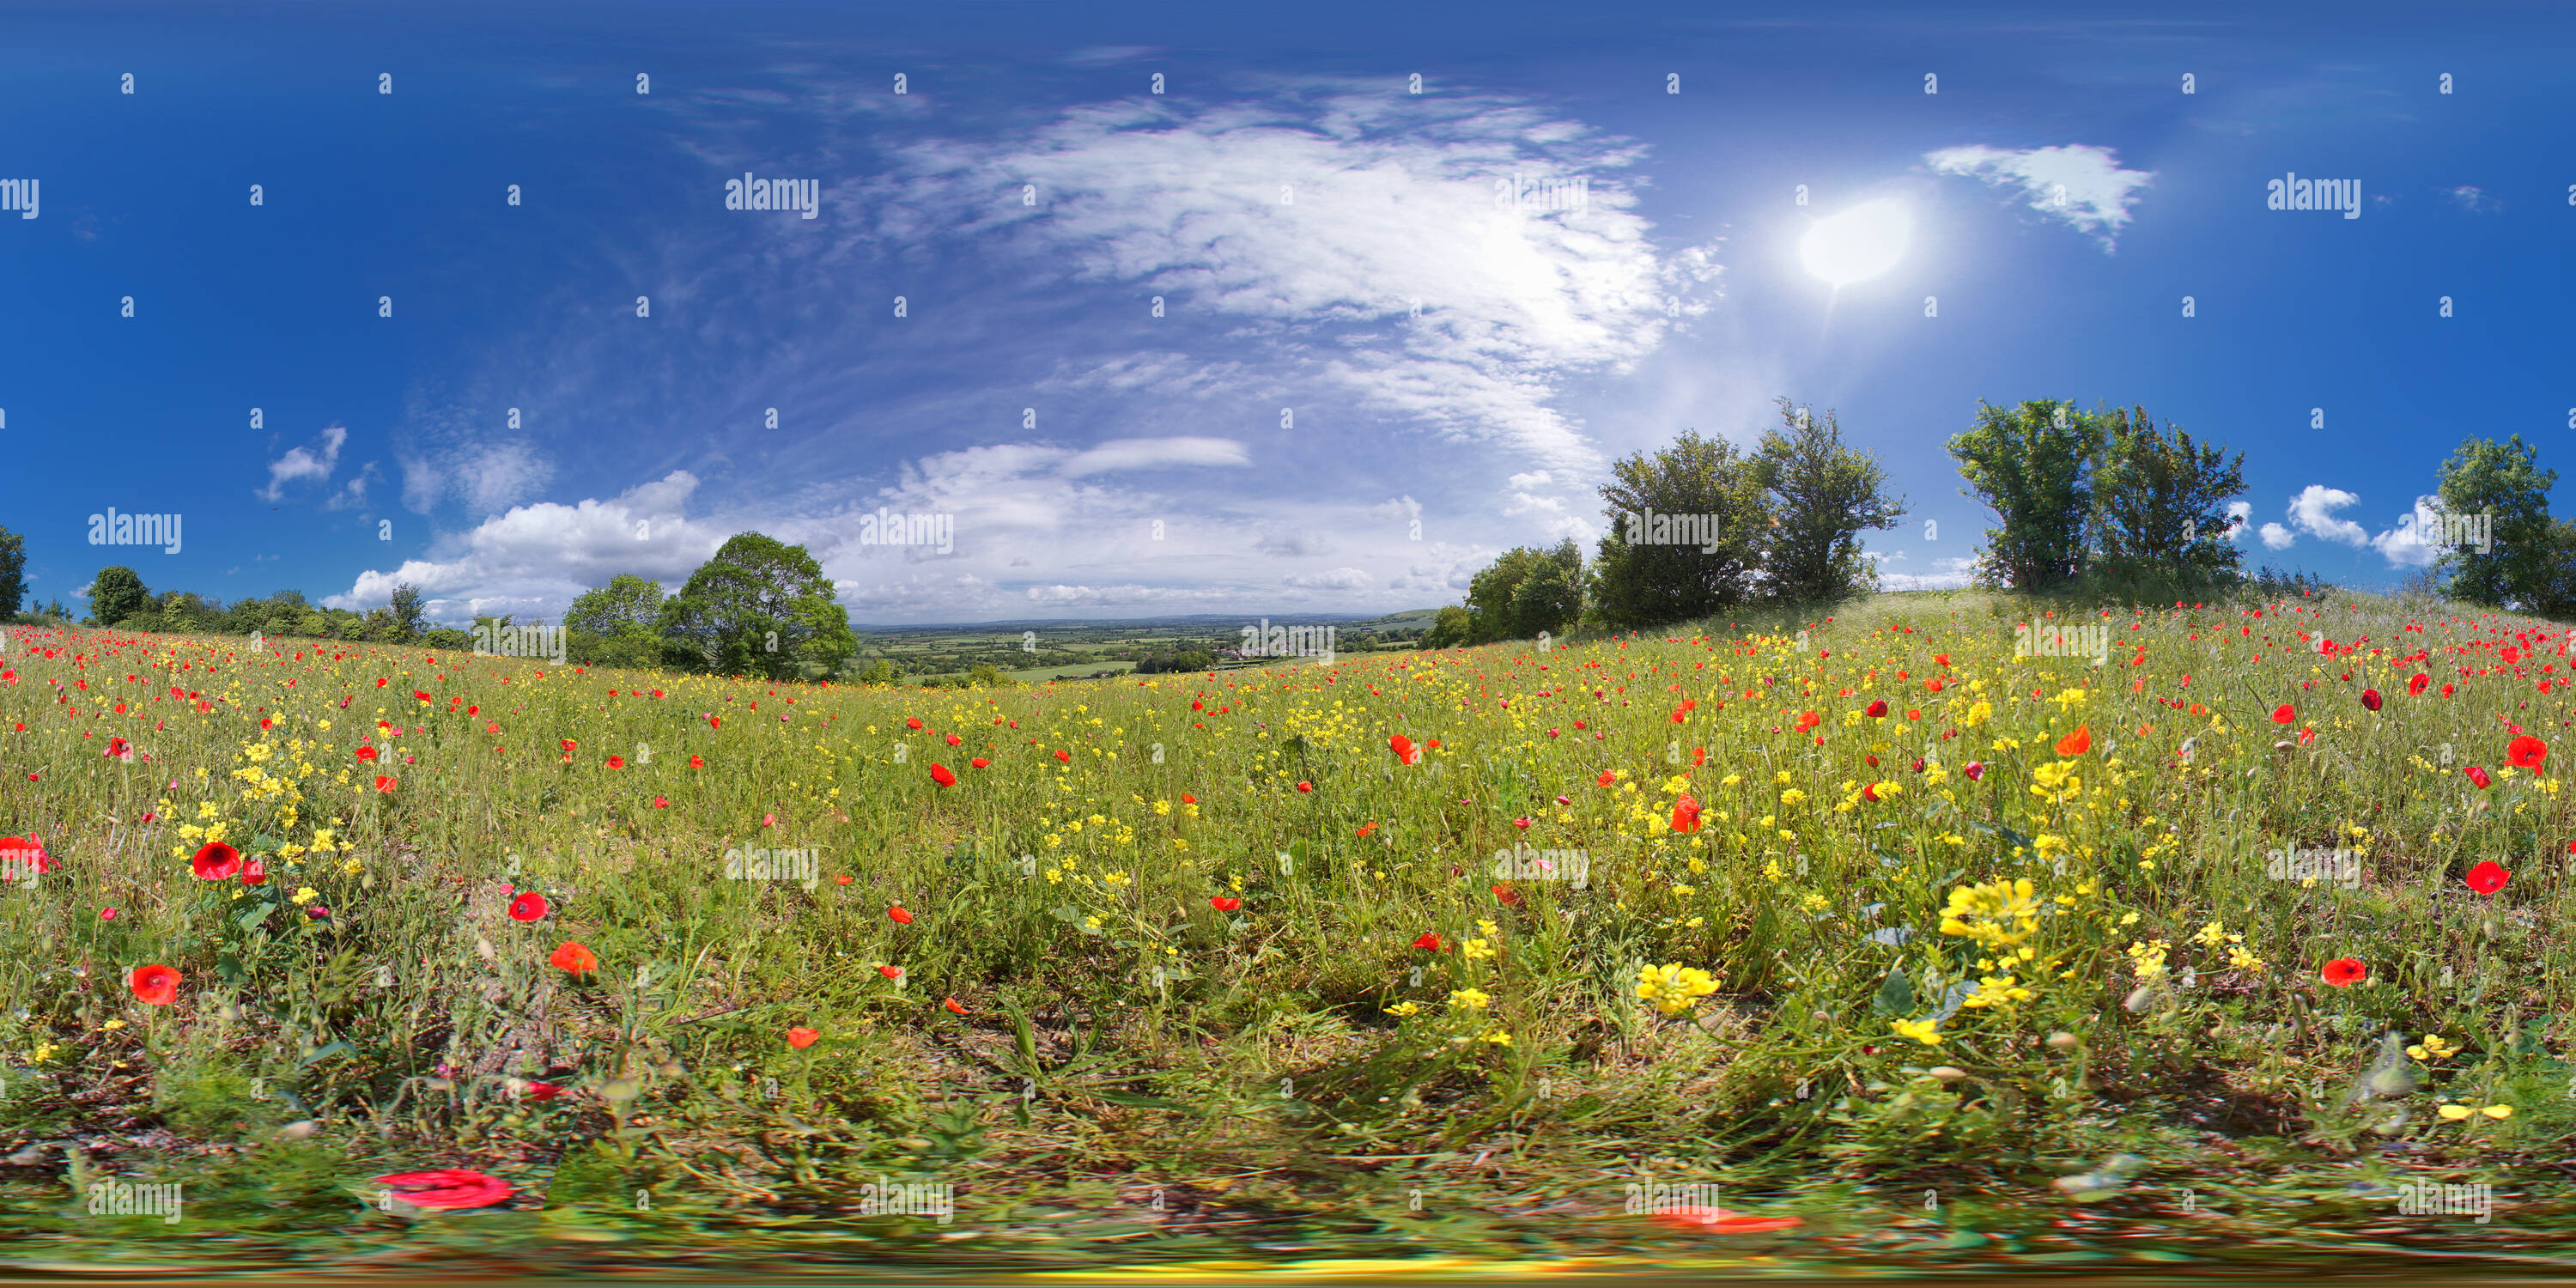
[2078, 184]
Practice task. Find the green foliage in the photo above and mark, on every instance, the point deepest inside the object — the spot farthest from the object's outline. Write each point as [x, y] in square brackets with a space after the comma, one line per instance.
[2503, 480]
[877, 671]
[406, 607]
[2160, 503]
[1526, 591]
[448, 637]
[1823, 494]
[2031, 465]
[1635, 580]
[13, 572]
[760, 607]
[116, 595]
[1450, 628]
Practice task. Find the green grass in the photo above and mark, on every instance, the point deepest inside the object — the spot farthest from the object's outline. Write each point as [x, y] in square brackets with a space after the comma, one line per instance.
[1256, 1067]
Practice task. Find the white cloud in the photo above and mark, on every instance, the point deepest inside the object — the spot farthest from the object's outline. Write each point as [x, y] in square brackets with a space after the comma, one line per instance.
[2411, 544]
[2239, 513]
[1352, 211]
[302, 464]
[2472, 198]
[2276, 537]
[544, 554]
[1948, 574]
[2312, 511]
[2079, 184]
[485, 477]
[1337, 579]
[1153, 453]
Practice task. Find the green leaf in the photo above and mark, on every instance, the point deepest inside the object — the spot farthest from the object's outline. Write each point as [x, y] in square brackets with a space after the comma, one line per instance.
[329, 1050]
[254, 915]
[1895, 996]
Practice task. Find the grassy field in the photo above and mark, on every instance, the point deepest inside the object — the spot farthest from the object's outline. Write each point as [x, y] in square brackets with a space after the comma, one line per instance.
[1960, 960]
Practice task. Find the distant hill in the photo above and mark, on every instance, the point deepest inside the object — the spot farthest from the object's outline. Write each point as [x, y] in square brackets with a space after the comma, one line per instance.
[1409, 619]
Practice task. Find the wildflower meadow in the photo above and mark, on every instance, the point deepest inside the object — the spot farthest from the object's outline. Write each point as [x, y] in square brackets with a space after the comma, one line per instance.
[1866, 934]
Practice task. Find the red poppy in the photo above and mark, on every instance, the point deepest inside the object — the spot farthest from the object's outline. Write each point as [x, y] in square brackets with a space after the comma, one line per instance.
[154, 985]
[1876, 709]
[954, 1008]
[1402, 747]
[450, 1187]
[1976, 769]
[1305, 787]
[574, 958]
[216, 861]
[1065, 756]
[617, 762]
[26, 852]
[1188, 799]
[2479, 776]
[801, 1038]
[943, 775]
[383, 783]
[569, 744]
[2370, 699]
[2344, 972]
[2526, 752]
[529, 906]
[1686, 814]
[912, 722]
[2282, 714]
[1510, 897]
[1710, 1220]
[2487, 877]
[2415, 686]
[659, 803]
[1223, 904]
[901, 917]
[697, 762]
[1941, 659]
[1428, 942]
[2076, 743]
[367, 754]
[543, 1091]
[715, 722]
[254, 872]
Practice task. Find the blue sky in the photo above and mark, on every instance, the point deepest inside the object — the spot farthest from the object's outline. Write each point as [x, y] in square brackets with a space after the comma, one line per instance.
[1291, 202]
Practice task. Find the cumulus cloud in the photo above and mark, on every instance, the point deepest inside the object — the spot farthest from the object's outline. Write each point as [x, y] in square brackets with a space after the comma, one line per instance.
[2239, 513]
[2416, 540]
[2312, 511]
[2081, 185]
[2276, 537]
[313, 463]
[1946, 574]
[539, 556]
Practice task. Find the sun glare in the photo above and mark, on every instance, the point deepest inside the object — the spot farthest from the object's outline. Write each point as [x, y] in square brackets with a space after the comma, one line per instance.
[1859, 243]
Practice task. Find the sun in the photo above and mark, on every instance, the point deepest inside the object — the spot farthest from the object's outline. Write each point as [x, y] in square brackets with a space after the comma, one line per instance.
[1859, 243]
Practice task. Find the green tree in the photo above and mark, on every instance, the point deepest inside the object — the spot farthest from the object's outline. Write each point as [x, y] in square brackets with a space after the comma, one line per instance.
[2031, 465]
[760, 607]
[2556, 596]
[2503, 481]
[618, 624]
[877, 671]
[1684, 539]
[1495, 596]
[1450, 627]
[13, 573]
[406, 606]
[2160, 503]
[1823, 494]
[116, 595]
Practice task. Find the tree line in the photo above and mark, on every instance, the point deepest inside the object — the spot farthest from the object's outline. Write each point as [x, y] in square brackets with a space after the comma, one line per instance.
[2105, 502]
